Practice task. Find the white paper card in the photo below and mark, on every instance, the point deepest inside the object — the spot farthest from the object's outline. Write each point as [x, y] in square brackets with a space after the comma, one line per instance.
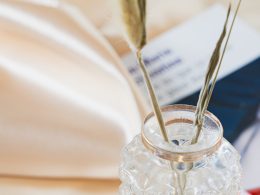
[177, 60]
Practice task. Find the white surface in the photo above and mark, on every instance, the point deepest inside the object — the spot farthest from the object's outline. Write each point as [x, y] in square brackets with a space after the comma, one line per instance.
[250, 159]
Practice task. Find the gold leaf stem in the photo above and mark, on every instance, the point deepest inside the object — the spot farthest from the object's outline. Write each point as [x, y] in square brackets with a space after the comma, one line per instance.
[154, 101]
[199, 114]
[212, 72]
[221, 58]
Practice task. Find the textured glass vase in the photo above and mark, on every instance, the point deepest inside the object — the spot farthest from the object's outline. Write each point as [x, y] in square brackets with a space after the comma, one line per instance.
[151, 166]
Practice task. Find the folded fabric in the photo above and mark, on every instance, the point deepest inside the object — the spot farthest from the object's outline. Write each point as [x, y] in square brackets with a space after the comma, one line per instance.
[68, 106]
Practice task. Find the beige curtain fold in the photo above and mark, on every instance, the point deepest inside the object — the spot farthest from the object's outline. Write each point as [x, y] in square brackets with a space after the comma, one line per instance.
[68, 105]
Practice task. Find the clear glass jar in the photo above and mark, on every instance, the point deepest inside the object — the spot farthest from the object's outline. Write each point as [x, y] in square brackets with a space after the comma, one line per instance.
[151, 166]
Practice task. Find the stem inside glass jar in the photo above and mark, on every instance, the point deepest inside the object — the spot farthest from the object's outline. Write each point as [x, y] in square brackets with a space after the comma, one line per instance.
[179, 151]
[179, 125]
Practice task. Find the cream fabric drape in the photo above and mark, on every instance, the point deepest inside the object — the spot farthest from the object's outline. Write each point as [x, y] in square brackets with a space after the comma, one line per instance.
[67, 104]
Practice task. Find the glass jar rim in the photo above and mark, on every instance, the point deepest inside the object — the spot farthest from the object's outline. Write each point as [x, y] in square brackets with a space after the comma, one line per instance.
[178, 156]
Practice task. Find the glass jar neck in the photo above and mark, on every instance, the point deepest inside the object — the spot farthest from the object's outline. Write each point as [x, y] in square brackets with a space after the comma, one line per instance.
[180, 130]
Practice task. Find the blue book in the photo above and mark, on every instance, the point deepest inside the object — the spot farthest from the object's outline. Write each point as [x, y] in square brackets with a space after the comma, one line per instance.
[235, 100]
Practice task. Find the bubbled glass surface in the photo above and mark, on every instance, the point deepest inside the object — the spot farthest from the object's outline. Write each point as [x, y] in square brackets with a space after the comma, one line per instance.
[144, 173]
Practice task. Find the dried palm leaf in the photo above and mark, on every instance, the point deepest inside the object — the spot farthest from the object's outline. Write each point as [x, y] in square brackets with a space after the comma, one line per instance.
[211, 75]
[134, 17]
